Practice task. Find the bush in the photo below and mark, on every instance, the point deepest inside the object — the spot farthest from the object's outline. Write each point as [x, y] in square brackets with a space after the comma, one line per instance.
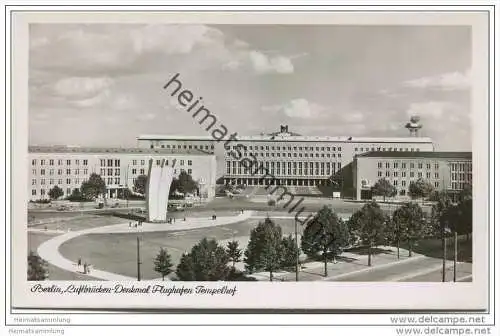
[271, 202]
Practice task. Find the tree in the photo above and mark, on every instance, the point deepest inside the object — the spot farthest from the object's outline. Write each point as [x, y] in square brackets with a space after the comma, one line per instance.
[163, 263]
[369, 226]
[290, 252]
[384, 188]
[411, 221]
[264, 248]
[55, 192]
[466, 192]
[93, 187]
[76, 196]
[185, 183]
[37, 267]
[325, 233]
[207, 261]
[140, 184]
[234, 252]
[420, 189]
[393, 234]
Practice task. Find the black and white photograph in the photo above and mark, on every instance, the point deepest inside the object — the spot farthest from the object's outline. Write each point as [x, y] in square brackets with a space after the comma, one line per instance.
[194, 158]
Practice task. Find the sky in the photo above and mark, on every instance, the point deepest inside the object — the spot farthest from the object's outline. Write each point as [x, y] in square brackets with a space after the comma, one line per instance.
[101, 84]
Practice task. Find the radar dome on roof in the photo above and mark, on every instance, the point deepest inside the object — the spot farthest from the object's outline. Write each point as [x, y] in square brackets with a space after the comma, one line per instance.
[415, 119]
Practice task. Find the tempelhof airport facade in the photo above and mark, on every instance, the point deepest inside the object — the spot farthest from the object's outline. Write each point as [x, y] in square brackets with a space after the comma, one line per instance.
[68, 167]
[302, 163]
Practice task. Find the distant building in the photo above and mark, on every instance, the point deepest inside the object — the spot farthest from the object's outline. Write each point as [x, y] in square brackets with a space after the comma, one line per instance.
[68, 167]
[290, 158]
[446, 171]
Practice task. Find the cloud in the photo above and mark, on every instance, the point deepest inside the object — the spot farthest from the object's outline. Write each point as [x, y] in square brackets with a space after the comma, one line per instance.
[448, 81]
[263, 64]
[297, 108]
[433, 110]
[353, 117]
[81, 87]
[134, 48]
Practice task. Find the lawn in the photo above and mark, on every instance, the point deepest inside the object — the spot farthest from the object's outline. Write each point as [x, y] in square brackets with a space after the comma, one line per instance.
[118, 252]
[55, 273]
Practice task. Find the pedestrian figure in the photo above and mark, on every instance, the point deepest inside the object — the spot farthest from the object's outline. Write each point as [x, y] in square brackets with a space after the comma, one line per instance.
[79, 262]
[129, 224]
[85, 268]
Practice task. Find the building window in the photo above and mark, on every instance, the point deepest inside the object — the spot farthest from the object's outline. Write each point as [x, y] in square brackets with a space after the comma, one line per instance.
[395, 165]
[33, 192]
[33, 171]
[117, 180]
[403, 165]
[60, 181]
[395, 182]
[117, 171]
[42, 192]
[142, 171]
[412, 165]
[33, 162]
[182, 162]
[412, 174]
[395, 174]
[51, 181]
[190, 162]
[85, 171]
[68, 171]
[77, 171]
[420, 165]
[428, 175]
[42, 162]
[158, 162]
[51, 171]
[134, 171]
[68, 191]
[110, 171]
[190, 171]
[33, 182]
[77, 162]
[142, 162]
[403, 174]
[419, 174]
[436, 184]
[68, 181]
[51, 162]
[428, 166]
[42, 171]
[436, 166]
[117, 163]
[387, 173]
[379, 174]
[85, 162]
[403, 183]
[387, 165]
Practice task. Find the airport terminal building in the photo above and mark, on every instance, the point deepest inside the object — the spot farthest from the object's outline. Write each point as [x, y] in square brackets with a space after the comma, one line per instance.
[68, 167]
[446, 171]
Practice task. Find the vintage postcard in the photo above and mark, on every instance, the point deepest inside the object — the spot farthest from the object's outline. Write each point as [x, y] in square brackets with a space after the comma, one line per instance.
[229, 160]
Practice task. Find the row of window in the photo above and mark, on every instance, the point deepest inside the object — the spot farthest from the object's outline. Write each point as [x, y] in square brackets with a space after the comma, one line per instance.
[311, 155]
[110, 163]
[457, 185]
[43, 192]
[403, 174]
[107, 179]
[396, 165]
[60, 171]
[461, 167]
[158, 162]
[404, 183]
[206, 147]
[290, 148]
[461, 176]
[383, 149]
[60, 162]
[286, 168]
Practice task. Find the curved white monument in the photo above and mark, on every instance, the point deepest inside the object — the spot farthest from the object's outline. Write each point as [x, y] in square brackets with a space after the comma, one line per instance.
[158, 187]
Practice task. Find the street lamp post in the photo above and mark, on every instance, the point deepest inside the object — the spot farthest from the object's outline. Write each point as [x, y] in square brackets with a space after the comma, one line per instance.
[138, 259]
[455, 258]
[298, 253]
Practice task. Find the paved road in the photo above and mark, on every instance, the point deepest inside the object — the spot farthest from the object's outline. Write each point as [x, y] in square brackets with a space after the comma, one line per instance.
[464, 271]
[419, 270]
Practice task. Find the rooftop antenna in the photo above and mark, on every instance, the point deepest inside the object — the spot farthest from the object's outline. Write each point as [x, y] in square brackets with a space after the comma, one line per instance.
[414, 125]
